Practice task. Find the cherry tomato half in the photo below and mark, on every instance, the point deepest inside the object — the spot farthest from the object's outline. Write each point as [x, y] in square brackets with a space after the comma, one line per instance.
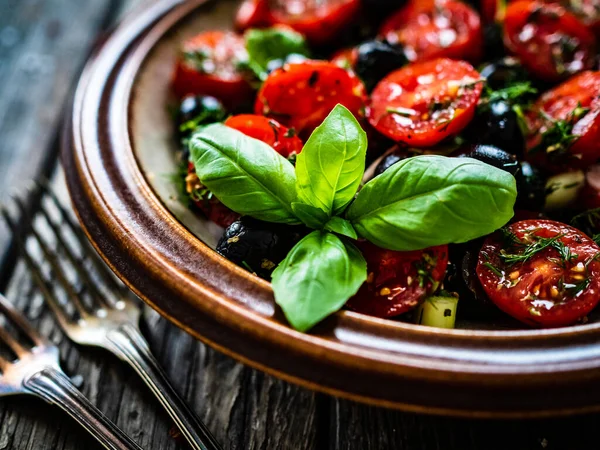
[301, 95]
[451, 30]
[398, 281]
[319, 20]
[209, 66]
[574, 108]
[541, 272]
[551, 42]
[424, 103]
[282, 139]
[252, 14]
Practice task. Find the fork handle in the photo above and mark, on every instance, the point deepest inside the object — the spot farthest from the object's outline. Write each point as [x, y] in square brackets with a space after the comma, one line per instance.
[129, 344]
[54, 386]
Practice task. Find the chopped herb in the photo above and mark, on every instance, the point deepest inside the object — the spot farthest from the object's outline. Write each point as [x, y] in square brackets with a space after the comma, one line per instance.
[290, 133]
[494, 269]
[558, 136]
[520, 251]
[596, 238]
[247, 267]
[512, 94]
[404, 112]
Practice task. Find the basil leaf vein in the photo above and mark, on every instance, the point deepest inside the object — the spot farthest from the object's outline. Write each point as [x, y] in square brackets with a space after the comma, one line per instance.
[433, 200]
[245, 174]
[317, 277]
[331, 165]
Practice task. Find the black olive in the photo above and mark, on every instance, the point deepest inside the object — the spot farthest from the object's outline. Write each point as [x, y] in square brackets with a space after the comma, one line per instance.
[493, 41]
[195, 111]
[531, 188]
[258, 246]
[503, 73]
[389, 160]
[497, 124]
[495, 157]
[292, 58]
[375, 59]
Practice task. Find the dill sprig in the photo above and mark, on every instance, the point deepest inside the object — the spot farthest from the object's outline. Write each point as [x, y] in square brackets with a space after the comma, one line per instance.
[513, 94]
[520, 251]
[558, 136]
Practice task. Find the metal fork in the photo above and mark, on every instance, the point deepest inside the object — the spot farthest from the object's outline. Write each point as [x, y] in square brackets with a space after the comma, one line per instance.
[109, 319]
[36, 371]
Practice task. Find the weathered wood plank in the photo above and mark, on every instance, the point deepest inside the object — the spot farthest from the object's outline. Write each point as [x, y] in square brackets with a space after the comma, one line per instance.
[43, 45]
[357, 426]
[244, 408]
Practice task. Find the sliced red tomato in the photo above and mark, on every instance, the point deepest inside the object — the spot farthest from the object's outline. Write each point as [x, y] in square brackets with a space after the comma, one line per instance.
[424, 103]
[320, 21]
[301, 95]
[209, 66]
[252, 14]
[551, 42]
[541, 272]
[428, 31]
[398, 281]
[574, 108]
[281, 138]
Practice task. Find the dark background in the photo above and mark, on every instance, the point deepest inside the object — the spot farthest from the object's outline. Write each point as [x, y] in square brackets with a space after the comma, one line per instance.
[43, 46]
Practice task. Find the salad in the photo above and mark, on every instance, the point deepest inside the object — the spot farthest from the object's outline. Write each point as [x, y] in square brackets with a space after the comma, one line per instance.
[399, 159]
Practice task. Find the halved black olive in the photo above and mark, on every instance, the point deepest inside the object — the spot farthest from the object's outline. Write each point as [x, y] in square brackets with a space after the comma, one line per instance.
[195, 111]
[503, 73]
[531, 188]
[390, 159]
[495, 157]
[497, 124]
[375, 59]
[258, 246]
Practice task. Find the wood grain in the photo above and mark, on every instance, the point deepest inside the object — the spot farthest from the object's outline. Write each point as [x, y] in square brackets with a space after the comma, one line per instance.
[41, 48]
[43, 45]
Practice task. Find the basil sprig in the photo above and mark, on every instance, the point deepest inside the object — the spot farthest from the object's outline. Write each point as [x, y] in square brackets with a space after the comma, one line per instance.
[417, 203]
[245, 174]
[269, 44]
[317, 277]
[331, 165]
[432, 200]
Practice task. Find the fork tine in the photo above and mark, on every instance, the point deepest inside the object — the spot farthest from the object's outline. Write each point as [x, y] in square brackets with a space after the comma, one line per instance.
[81, 310]
[75, 262]
[4, 363]
[107, 277]
[11, 342]
[17, 318]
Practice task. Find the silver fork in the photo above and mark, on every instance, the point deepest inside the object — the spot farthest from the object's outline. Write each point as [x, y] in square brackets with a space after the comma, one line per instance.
[108, 319]
[36, 371]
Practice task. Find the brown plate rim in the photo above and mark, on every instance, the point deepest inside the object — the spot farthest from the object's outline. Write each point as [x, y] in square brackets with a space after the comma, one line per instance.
[139, 238]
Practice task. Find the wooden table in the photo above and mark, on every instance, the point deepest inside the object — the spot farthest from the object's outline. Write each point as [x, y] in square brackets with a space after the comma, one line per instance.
[43, 44]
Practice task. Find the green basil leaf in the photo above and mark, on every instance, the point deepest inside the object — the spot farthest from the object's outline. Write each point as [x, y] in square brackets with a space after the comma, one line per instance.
[433, 200]
[331, 165]
[311, 217]
[317, 277]
[341, 226]
[272, 43]
[244, 173]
